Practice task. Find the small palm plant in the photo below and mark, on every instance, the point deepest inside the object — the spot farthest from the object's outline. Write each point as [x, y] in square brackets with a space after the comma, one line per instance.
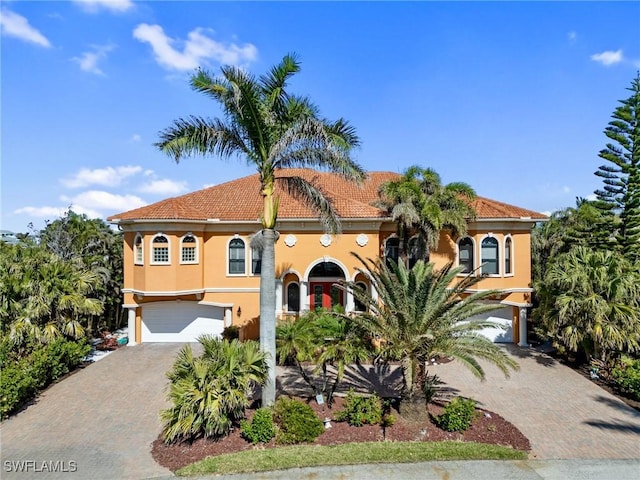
[210, 392]
[424, 312]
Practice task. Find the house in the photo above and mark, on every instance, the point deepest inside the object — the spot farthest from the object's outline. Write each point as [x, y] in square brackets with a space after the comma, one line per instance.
[189, 267]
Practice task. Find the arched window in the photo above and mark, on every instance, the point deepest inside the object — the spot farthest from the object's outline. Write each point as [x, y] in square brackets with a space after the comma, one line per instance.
[391, 250]
[508, 256]
[189, 249]
[490, 257]
[256, 261]
[465, 254]
[236, 257]
[357, 304]
[160, 250]
[293, 297]
[138, 250]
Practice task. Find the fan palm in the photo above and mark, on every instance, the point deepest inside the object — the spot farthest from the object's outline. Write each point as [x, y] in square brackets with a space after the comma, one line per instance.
[273, 131]
[424, 312]
[421, 204]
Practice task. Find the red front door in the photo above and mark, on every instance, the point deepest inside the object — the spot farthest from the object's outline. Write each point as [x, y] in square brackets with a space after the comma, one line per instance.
[324, 295]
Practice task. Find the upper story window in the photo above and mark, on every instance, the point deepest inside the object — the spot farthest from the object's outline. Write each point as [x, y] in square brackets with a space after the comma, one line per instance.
[391, 250]
[189, 249]
[293, 297]
[236, 257]
[160, 249]
[465, 254]
[138, 250]
[490, 257]
[508, 256]
[256, 261]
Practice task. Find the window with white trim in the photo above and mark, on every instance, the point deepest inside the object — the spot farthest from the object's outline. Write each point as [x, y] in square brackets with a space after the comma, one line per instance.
[490, 256]
[293, 297]
[391, 250]
[160, 250]
[508, 256]
[465, 254]
[236, 257]
[138, 250]
[189, 249]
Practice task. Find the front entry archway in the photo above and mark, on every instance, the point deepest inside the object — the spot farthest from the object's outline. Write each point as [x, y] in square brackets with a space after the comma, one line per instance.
[323, 293]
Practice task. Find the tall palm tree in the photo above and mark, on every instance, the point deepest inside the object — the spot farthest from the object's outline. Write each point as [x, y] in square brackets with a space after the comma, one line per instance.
[272, 130]
[421, 204]
[423, 312]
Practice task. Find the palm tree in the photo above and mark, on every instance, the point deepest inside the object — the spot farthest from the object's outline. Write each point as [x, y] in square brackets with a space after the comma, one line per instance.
[272, 130]
[423, 312]
[591, 302]
[210, 392]
[421, 204]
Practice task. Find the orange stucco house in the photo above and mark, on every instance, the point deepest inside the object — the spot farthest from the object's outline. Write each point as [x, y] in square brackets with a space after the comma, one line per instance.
[189, 267]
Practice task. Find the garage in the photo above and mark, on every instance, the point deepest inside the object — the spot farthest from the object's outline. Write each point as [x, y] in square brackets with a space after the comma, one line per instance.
[504, 318]
[180, 321]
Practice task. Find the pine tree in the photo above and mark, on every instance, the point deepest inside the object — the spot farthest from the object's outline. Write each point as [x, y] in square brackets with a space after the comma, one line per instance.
[619, 199]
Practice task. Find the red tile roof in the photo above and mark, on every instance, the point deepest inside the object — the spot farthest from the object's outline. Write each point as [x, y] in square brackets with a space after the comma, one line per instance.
[240, 200]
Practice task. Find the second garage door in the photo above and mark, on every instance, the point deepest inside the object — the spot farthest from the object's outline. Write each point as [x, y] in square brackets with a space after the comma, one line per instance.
[180, 321]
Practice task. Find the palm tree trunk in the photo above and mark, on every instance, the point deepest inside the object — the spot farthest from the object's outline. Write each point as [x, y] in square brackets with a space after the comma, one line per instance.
[268, 314]
[407, 377]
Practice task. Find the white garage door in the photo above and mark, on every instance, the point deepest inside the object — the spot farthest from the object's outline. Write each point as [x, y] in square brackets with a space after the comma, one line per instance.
[503, 317]
[180, 321]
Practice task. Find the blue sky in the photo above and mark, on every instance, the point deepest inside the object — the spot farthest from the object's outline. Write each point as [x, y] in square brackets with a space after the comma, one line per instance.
[510, 97]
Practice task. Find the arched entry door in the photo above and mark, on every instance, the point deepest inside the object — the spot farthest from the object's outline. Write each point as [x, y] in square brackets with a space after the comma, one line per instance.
[322, 291]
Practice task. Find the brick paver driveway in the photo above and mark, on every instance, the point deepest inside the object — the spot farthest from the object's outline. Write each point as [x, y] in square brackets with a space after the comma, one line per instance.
[563, 414]
[103, 418]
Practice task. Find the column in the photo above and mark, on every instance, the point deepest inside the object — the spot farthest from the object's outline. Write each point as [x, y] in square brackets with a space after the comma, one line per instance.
[522, 322]
[131, 326]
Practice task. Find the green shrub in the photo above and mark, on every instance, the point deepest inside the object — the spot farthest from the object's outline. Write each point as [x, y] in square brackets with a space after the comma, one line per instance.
[627, 375]
[16, 386]
[261, 429]
[457, 415]
[297, 422]
[359, 410]
[232, 332]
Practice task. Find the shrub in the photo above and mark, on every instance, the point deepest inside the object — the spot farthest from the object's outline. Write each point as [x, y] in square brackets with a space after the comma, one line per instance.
[360, 410]
[261, 429]
[430, 387]
[297, 422]
[627, 375]
[457, 415]
[210, 392]
[232, 332]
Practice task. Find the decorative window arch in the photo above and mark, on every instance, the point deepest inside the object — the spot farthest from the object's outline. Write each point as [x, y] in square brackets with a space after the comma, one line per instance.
[391, 249]
[236, 263]
[138, 250]
[490, 255]
[508, 255]
[466, 254]
[358, 306]
[160, 250]
[293, 297]
[189, 249]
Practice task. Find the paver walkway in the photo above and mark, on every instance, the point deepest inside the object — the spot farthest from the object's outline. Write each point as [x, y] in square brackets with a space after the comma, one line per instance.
[563, 414]
[103, 418]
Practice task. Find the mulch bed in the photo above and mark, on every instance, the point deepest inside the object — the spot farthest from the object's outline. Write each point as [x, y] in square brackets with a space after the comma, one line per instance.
[413, 423]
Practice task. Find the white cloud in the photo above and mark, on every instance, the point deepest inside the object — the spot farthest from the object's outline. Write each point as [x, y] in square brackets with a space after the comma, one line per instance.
[14, 25]
[591, 197]
[41, 212]
[197, 48]
[108, 176]
[98, 200]
[608, 57]
[547, 213]
[94, 6]
[164, 187]
[89, 60]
